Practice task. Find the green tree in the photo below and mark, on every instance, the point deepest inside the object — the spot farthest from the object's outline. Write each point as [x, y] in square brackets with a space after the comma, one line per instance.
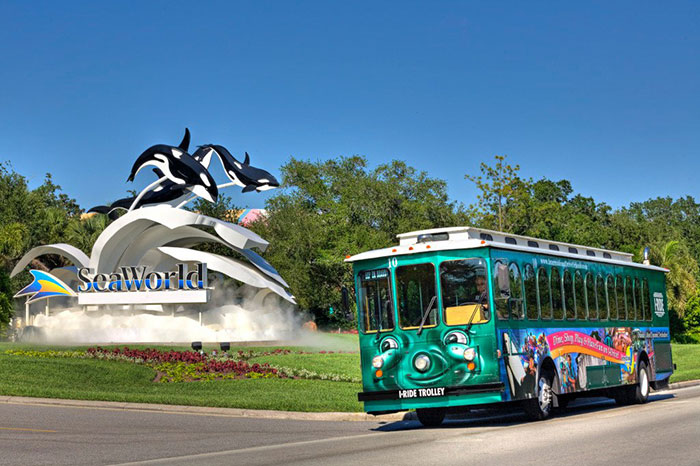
[28, 218]
[500, 190]
[327, 210]
[83, 232]
[691, 319]
[681, 281]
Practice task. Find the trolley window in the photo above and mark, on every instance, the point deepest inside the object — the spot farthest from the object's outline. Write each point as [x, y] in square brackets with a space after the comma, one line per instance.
[465, 295]
[377, 310]
[415, 287]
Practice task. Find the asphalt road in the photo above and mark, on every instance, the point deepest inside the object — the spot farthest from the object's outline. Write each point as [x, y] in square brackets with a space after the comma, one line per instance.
[664, 431]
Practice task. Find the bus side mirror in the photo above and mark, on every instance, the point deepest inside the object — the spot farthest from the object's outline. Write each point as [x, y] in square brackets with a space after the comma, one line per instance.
[345, 300]
[344, 296]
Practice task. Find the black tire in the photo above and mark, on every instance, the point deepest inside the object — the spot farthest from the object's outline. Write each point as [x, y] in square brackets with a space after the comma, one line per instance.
[541, 407]
[637, 393]
[640, 392]
[431, 417]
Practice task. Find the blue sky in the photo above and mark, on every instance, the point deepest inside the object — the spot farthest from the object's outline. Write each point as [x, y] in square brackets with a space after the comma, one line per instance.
[605, 94]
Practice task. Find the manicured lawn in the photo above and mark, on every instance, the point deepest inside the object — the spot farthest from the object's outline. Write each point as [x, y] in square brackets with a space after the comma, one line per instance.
[687, 359]
[90, 379]
[344, 364]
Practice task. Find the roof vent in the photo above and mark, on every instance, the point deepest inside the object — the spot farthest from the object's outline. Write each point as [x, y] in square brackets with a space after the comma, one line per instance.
[433, 237]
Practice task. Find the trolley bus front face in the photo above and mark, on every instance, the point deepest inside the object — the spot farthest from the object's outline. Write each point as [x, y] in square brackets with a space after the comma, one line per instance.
[427, 336]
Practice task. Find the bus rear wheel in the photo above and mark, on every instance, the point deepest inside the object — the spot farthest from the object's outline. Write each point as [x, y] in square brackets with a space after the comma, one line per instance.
[640, 394]
[637, 393]
[541, 407]
[431, 417]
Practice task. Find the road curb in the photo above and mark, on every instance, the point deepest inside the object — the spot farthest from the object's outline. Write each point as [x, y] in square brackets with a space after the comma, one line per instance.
[236, 412]
[205, 410]
[684, 384]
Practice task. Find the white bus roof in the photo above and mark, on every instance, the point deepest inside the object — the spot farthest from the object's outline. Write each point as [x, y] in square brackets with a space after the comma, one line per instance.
[451, 238]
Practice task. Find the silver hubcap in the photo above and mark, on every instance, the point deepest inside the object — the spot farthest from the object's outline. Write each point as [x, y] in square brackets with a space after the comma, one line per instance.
[545, 397]
[644, 383]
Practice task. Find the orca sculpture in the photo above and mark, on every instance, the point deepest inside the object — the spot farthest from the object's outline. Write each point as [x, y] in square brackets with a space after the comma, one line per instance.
[179, 167]
[183, 174]
[243, 174]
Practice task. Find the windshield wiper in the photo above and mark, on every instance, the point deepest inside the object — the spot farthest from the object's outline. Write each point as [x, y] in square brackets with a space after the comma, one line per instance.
[378, 317]
[426, 314]
[471, 319]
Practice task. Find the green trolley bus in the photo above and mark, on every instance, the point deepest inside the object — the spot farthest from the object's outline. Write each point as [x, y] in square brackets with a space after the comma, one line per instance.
[459, 317]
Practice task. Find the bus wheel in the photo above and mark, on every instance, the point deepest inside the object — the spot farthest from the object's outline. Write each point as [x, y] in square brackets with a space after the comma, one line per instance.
[637, 393]
[431, 417]
[541, 407]
[641, 389]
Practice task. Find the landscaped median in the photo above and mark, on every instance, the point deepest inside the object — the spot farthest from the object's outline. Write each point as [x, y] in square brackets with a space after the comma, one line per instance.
[277, 378]
[271, 378]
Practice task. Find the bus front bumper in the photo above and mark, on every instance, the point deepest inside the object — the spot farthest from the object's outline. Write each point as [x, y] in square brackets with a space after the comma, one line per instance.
[431, 394]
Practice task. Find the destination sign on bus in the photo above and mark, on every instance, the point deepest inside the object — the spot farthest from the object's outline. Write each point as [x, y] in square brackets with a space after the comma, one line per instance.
[422, 392]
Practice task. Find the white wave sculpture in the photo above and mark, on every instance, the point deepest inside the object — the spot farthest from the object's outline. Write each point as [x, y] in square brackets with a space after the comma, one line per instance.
[158, 233]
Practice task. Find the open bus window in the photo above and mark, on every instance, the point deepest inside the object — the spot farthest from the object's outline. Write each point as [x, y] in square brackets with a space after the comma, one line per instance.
[590, 297]
[580, 296]
[501, 288]
[569, 296]
[415, 285]
[516, 292]
[377, 311]
[620, 298]
[465, 295]
[601, 298]
[635, 300]
[543, 290]
[612, 296]
[557, 296]
[628, 299]
[646, 308]
[530, 282]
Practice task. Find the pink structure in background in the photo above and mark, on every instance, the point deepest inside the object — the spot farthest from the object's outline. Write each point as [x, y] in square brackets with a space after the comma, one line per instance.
[247, 216]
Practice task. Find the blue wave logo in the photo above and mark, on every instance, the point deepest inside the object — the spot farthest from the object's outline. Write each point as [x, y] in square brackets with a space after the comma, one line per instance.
[44, 286]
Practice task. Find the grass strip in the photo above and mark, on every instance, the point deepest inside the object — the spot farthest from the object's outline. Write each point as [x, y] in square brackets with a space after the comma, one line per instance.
[687, 360]
[90, 379]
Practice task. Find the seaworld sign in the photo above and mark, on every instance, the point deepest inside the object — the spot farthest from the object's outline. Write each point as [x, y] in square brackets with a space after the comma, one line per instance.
[136, 279]
[136, 285]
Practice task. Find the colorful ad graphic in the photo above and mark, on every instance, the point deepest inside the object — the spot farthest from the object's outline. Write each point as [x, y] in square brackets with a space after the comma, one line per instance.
[585, 359]
[572, 341]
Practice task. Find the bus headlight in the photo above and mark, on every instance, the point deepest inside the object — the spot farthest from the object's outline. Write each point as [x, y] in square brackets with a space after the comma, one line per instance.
[377, 362]
[421, 363]
[469, 354]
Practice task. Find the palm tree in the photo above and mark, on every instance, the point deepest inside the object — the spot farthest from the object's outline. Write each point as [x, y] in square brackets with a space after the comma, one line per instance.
[82, 233]
[681, 283]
